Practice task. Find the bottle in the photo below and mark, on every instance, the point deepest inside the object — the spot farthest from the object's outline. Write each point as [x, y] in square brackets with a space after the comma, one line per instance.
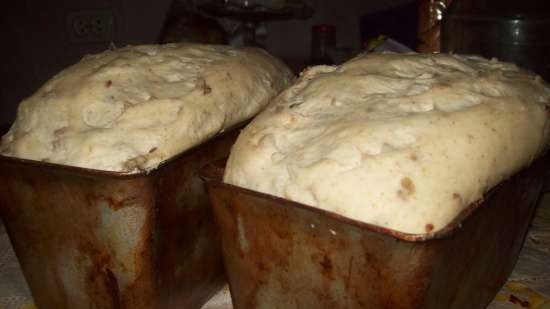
[323, 41]
[430, 14]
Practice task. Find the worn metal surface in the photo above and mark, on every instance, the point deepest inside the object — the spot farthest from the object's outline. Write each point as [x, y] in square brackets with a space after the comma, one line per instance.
[281, 254]
[93, 239]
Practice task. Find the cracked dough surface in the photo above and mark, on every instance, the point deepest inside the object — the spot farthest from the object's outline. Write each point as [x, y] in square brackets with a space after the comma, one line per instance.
[404, 142]
[132, 108]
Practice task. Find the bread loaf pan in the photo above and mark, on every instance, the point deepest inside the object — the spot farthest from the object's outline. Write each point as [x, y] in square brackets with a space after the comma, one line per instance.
[108, 240]
[285, 255]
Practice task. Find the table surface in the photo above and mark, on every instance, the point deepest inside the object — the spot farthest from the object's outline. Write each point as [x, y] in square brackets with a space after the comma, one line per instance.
[527, 287]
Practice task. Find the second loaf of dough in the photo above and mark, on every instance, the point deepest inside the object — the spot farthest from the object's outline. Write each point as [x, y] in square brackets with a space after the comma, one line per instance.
[404, 142]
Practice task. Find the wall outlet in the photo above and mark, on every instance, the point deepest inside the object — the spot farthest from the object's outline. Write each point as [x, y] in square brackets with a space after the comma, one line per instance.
[91, 26]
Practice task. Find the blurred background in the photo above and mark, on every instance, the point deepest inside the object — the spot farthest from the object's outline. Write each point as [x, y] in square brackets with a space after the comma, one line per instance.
[40, 38]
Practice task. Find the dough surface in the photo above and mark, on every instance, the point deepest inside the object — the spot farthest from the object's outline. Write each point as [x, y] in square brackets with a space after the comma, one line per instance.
[132, 108]
[404, 142]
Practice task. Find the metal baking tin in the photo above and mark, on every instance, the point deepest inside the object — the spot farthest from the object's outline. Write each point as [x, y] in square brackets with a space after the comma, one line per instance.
[282, 254]
[107, 240]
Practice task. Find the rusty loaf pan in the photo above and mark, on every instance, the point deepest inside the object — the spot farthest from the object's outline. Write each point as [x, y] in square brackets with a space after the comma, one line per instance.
[285, 255]
[108, 240]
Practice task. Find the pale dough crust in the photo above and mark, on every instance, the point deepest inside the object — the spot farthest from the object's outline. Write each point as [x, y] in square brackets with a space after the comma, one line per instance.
[404, 142]
[132, 108]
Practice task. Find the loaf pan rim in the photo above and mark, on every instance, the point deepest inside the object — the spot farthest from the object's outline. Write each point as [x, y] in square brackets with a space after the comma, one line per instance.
[212, 174]
[117, 174]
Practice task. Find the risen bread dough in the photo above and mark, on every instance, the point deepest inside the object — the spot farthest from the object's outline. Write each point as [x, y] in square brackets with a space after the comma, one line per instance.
[404, 142]
[132, 108]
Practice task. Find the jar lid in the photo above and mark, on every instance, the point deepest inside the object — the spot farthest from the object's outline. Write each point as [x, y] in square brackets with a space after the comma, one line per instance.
[514, 9]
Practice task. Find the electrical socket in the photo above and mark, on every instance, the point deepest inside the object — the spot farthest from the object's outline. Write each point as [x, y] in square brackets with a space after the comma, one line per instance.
[91, 26]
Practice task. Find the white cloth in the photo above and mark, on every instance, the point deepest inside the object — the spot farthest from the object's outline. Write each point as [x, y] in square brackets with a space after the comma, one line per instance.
[14, 293]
